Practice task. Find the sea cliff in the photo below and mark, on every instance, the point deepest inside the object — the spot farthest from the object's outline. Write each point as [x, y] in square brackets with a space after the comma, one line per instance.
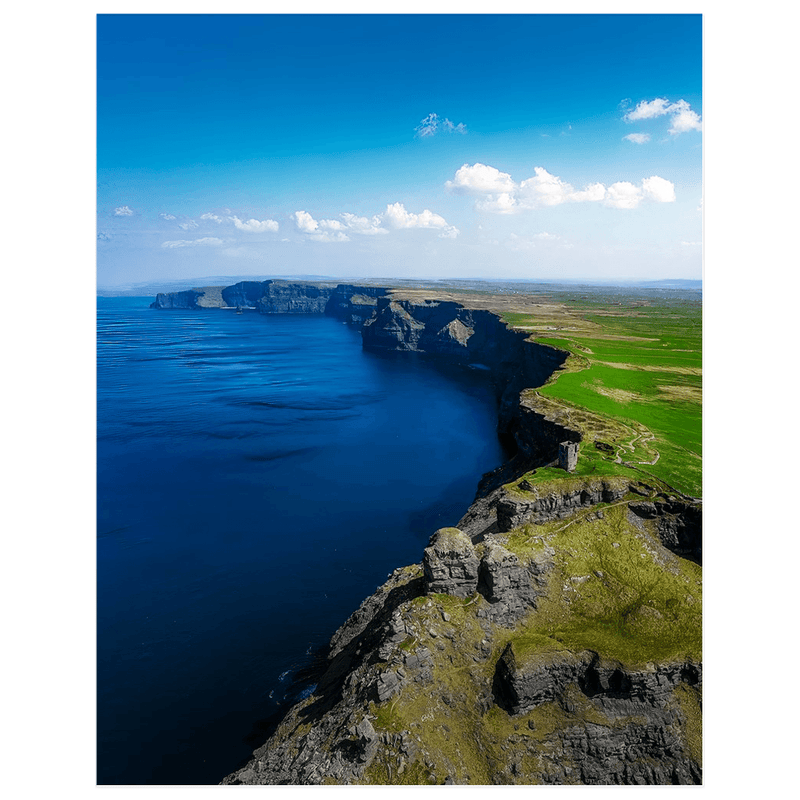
[352, 303]
[551, 636]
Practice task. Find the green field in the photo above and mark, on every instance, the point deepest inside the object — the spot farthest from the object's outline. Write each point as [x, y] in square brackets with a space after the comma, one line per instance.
[637, 364]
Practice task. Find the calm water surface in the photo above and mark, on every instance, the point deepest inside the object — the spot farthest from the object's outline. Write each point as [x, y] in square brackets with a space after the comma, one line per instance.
[258, 476]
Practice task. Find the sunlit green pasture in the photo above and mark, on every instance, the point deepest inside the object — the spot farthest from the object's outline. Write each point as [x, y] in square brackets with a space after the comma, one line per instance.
[634, 364]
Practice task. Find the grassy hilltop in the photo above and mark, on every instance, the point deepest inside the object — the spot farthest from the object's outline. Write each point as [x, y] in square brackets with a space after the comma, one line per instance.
[638, 363]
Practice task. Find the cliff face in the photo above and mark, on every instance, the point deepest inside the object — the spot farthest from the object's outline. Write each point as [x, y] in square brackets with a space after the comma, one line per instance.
[479, 338]
[554, 501]
[354, 304]
[460, 334]
[278, 297]
[187, 299]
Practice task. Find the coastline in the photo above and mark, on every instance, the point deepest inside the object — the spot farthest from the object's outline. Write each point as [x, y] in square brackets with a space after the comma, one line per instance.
[403, 321]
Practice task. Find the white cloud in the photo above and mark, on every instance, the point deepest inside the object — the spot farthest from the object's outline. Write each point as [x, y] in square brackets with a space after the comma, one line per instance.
[329, 233]
[453, 128]
[503, 203]
[363, 225]
[188, 225]
[428, 126]
[123, 211]
[481, 179]
[658, 189]
[593, 193]
[328, 236]
[397, 217]
[433, 122]
[305, 222]
[544, 189]
[206, 241]
[102, 236]
[331, 224]
[683, 117]
[251, 225]
[213, 217]
[167, 216]
[637, 138]
[623, 195]
[518, 243]
[648, 110]
[502, 195]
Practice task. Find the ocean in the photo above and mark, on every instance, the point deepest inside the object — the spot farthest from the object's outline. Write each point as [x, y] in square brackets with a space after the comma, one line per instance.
[258, 477]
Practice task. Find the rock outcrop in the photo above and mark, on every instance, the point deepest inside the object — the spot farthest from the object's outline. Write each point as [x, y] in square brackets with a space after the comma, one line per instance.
[279, 297]
[679, 524]
[522, 684]
[641, 742]
[187, 299]
[509, 586]
[557, 500]
[451, 564]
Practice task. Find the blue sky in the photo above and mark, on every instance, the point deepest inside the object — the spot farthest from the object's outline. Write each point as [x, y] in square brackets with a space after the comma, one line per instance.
[507, 146]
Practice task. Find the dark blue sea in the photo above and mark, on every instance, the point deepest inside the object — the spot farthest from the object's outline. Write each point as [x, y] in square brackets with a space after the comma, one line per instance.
[258, 477]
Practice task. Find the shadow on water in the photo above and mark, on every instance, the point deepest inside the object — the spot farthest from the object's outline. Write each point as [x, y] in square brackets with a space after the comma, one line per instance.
[443, 513]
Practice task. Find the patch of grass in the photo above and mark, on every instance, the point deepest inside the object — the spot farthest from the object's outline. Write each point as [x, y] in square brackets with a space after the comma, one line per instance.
[378, 774]
[536, 644]
[688, 700]
[635, 365]
[617, 592]
[386, 719]
[553, 480]
[408, 644]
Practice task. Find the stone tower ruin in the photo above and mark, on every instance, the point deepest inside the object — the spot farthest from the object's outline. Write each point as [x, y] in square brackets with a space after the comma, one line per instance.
[568, 456]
